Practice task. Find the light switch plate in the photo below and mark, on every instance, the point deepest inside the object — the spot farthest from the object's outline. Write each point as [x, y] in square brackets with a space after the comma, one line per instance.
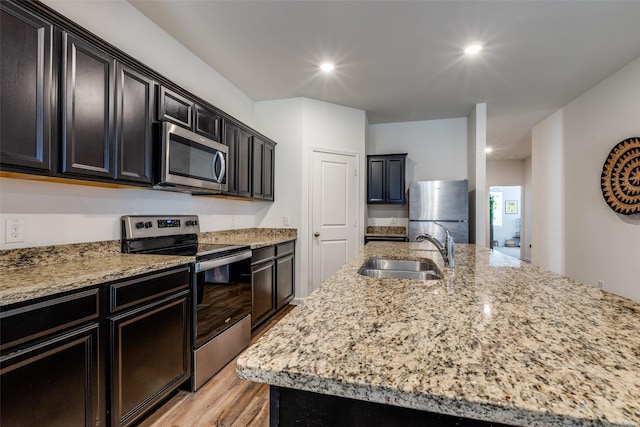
[14, 232]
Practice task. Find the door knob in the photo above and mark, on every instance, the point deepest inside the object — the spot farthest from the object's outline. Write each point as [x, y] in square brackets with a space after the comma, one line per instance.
[316, 234]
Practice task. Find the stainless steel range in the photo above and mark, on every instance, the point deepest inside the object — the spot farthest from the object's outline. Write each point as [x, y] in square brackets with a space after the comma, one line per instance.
[220, 282]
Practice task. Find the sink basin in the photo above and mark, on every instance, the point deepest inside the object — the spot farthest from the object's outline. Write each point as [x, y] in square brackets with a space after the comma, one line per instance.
[400, 274]
[400, 264]
[400, 269]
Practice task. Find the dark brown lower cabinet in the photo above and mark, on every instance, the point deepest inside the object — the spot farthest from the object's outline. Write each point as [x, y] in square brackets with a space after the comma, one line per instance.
[54, 382]
[272, 280]
[149, 343]
[262, 304]
[284, 280]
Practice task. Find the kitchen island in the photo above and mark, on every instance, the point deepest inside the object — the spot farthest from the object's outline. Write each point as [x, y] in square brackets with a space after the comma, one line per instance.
[496, 340]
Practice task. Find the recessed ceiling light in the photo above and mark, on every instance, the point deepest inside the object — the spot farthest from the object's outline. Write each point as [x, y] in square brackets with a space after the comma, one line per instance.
[488, 150]
[327, 66]
[472, 49]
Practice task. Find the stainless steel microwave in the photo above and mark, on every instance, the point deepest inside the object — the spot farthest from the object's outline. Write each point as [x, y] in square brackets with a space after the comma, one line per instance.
[191, 163]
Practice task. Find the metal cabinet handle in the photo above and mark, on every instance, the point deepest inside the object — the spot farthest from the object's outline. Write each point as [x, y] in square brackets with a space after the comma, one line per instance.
[316, 234]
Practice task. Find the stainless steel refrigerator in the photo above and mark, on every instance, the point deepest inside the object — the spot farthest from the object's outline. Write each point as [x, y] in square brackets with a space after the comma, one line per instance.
[444, 202]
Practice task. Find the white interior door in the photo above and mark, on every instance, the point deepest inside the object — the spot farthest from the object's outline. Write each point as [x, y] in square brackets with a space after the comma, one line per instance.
[334, 213]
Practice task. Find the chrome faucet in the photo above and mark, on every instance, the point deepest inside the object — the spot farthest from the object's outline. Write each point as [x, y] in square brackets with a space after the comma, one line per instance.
[447, 250]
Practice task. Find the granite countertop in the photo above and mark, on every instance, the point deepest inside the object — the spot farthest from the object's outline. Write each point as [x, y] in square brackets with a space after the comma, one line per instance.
[497, 340]
[30, 273]
[253, 237]
[45, 271]
[382, 231]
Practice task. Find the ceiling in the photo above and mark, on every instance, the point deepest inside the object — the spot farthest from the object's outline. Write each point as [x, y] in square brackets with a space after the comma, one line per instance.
[402, 60]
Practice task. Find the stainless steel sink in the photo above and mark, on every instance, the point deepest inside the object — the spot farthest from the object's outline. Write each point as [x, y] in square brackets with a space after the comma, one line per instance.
[400, 269]
[400, 264]
[400, 274]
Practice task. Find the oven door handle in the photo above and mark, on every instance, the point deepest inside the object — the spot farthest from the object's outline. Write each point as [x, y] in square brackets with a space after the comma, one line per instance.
[218, 262]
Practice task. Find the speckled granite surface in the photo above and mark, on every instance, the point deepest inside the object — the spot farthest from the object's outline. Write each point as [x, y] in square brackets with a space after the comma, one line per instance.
[31, 273]
[377, 230]
[254, 237]
[497, 340]
[37, 272]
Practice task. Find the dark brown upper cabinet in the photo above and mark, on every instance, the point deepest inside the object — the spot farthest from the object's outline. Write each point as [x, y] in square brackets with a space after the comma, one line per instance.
[262, 183]
[175, 108]
[386, 179]
[134, 118]
[245, 142]
[27, 101]
[208, 123]
[88, 76]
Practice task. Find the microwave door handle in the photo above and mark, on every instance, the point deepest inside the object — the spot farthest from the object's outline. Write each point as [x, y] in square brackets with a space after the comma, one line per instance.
[223, 166]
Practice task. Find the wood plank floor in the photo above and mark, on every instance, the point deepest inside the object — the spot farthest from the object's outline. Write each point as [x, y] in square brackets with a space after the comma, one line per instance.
[225, 400]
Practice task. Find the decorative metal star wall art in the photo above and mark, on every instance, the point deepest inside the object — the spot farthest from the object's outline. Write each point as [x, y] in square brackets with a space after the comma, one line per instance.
[620, 179]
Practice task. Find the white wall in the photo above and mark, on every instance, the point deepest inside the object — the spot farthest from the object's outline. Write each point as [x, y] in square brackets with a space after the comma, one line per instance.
[58, 213]
[301, 125]
[63, 213]
[548, 194]
[477, 170]
[569, 150]
[437, 149]
[527, 211]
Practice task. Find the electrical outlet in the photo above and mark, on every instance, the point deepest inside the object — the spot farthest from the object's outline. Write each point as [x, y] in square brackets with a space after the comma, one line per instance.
[14, 232]
[286, 220]
[394, 220]
[600, 284]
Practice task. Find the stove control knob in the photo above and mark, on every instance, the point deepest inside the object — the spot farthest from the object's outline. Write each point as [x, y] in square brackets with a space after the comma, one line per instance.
[188, 223]
[148, 224]
[194, 222]
[140, 224]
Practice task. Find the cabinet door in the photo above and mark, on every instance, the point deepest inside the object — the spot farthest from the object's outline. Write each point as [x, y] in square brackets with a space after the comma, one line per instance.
[134, 116]
[375, 180]
[87, 99]
[150, 357]
[231, 135]
[257, 188]
[53, 383]
[245, 143]
[175, 108]
[268, 170]
[25, 88]
[208, 123]
[395, 185]
[284, 280]
[262, 301]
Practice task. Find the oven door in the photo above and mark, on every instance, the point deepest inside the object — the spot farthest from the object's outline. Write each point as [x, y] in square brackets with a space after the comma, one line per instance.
[192, 161]
[222, 295]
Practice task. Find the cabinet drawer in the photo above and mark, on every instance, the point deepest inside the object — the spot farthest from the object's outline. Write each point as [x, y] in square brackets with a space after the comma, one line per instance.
[36, 320]
[263, 254]
[141, 289]
[285, 248]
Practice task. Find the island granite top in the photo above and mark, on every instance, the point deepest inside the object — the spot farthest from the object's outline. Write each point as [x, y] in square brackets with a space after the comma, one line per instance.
[497, 340]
